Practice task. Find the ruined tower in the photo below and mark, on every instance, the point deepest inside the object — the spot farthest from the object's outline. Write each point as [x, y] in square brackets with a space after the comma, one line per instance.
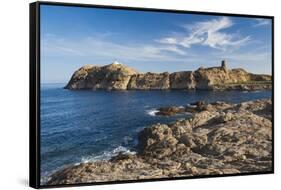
[224, 65]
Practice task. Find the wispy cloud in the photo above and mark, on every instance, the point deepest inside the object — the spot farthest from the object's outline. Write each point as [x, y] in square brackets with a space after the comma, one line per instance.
[207, 33]
[262, 22]
[95, 46]
[175, 49]
[129, 53]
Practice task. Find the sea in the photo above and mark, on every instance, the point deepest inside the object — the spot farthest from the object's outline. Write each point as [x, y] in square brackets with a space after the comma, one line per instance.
[84, 125]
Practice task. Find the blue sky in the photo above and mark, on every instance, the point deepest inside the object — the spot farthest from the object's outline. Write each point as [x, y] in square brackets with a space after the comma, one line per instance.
[149, 41]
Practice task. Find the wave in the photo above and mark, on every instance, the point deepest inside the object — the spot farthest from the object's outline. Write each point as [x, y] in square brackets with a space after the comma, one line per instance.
[106, 155]
[251, 91]
[191, 106]
[152, 112]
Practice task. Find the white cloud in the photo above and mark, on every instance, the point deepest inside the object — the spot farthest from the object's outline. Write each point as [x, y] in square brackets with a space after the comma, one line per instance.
[100, 47]
[170, 50]
[207, 33]
[262, 22]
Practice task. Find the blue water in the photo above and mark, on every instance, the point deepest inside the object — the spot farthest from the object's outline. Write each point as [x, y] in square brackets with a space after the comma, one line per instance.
[78, 126]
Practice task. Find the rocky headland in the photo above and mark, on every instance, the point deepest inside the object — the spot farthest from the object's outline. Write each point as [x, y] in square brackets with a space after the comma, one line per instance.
[218, 138]
[117, 76]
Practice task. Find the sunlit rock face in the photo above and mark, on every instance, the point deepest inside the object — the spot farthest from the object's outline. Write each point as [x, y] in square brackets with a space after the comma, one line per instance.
[118, 76]
[115, 76]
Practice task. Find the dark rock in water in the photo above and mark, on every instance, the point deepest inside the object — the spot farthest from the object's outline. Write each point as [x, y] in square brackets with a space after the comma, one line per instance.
[173, 110]
[117, 76]
[221, 139]
[199, 103]
[168, 111]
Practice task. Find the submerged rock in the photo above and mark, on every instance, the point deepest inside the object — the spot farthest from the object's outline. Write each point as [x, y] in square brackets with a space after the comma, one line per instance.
[221, 139]
[168, 111]
[192, 108]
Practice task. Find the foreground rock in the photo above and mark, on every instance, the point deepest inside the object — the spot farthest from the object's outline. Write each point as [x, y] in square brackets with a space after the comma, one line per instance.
[191, 108]
[117, 76]
[219, 139]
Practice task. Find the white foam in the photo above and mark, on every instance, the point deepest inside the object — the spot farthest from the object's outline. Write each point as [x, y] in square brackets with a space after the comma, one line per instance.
[106, 155]
[152, 112]
[191, 106]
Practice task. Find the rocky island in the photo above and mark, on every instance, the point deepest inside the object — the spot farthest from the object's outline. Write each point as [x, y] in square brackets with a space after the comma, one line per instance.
[219, 138]
[117, 76]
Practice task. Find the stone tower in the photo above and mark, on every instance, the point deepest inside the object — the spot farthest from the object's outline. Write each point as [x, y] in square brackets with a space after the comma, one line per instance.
[224, 65]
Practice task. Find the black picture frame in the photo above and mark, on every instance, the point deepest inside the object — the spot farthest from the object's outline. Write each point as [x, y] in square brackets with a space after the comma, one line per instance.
[34, 90]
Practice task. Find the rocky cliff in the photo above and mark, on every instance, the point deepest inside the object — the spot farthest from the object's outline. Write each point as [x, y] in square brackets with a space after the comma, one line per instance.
[219, 138]
[117, 76]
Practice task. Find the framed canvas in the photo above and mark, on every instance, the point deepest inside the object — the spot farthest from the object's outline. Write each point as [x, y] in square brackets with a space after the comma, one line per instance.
[121, 94]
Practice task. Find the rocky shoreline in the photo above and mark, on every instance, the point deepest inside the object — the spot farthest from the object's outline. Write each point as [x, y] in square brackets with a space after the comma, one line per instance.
[219, 138]
[117, 76]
